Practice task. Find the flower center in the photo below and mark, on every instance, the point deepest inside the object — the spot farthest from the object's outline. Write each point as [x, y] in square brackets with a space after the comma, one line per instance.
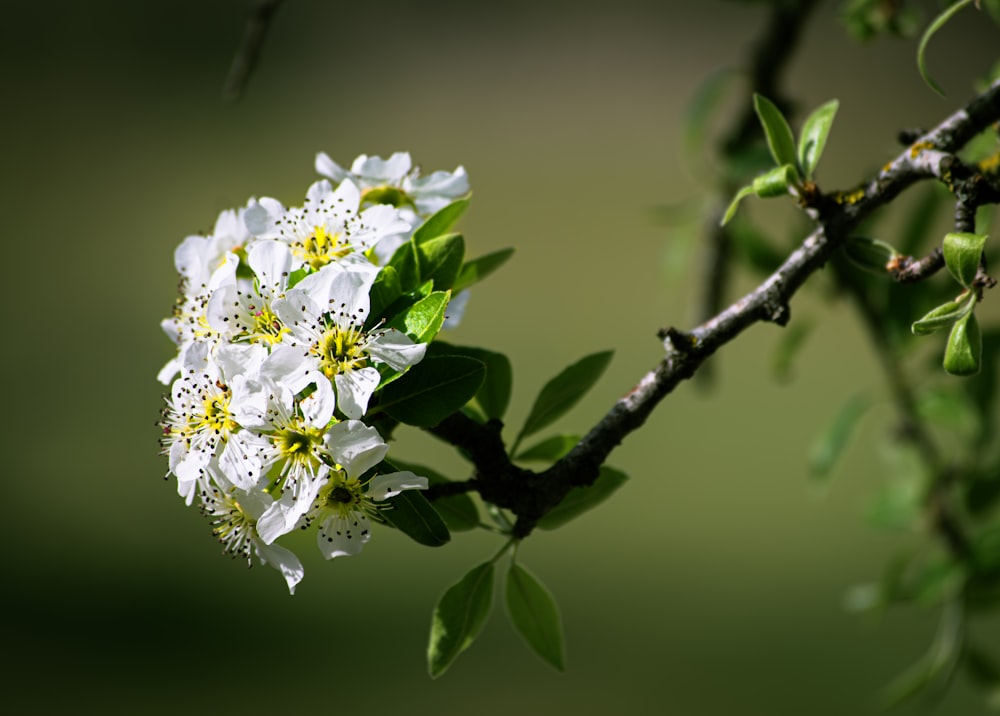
[297, 447]
[215, 413]
[321, 248]
[341, 351]
[267, 328]
[343, 495]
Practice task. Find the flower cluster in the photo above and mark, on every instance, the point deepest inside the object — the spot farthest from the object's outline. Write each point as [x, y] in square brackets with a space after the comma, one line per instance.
[280, 354]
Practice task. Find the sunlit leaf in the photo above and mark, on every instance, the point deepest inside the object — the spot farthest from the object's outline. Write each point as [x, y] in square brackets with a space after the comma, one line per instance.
[459, 617]
[432, 390]
[414, 516]
[963, 353]
[962, 253]
[779, 136]
[812, 141]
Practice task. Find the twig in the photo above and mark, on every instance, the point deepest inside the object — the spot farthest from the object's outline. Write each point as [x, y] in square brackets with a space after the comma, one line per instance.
[249, 49]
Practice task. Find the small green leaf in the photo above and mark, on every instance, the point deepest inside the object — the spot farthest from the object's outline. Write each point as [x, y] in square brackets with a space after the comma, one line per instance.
[414, 516]
[775, 182]
[458, 511]
[580, 499]
[734, 204]
[868, 254]
[936, 25]
[494, 394]
[830, 446]
[944, 315]
[385, 291]
[404, 262]
[535, 615]
[477, 269]
[440, 222]
[962, 254]
[963, 354]
[813, 138]
[562, 393]
[432, 390]
[550, 449]
[459, 617]
[423, 319]
[441, 259]
[780, 140]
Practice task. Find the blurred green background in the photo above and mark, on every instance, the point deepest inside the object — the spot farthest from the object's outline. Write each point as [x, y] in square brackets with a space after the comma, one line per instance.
[711, 584]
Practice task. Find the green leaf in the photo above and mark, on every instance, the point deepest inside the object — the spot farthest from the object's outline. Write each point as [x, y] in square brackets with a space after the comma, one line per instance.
[963, 354]
[479, 268]
[936, 25]
[534, 614]
[440, 222]
[414, 516]
[423, 319]
[944, 315]
[458, 511]
[494, 394]
[580, 499]
[775, 182]
[562, 393]
[938, 665]
[432, 390]
[385, 291]
[459, 617]
[550, 449]
[441, 259]
[734, 204]
[830, 446]
[780, 140]
[812, 141]
[962, 254]
[404, 262]
[868, 254]
[981, 667]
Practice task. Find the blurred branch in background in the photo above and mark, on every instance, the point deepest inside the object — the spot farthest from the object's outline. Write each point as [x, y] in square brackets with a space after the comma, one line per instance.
[250, 48]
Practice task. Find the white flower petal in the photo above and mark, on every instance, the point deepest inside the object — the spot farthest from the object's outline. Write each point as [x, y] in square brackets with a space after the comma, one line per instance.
[272, 262]
[396, 348]
[283, 560]
[329, 168]
[262, 217]
[355, 446]
[354, 389]
[382, 487]
[340, 537]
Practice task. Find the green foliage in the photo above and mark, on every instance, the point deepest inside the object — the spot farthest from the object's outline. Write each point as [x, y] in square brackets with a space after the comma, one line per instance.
[441, 259]
[962, 255]
[582, 499]
[477, 269]
[869, 254]
[944, 315]
[440, 222]
[780, 140]
[963, 353]
[550, 449]
[830, 445]
[414, 516]
[938, 22]
[458, 511]
[493, 395]
[563, 392]
[432, 390]
[422, 320]
[812, 141]
[534, 614]
[459, 617]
